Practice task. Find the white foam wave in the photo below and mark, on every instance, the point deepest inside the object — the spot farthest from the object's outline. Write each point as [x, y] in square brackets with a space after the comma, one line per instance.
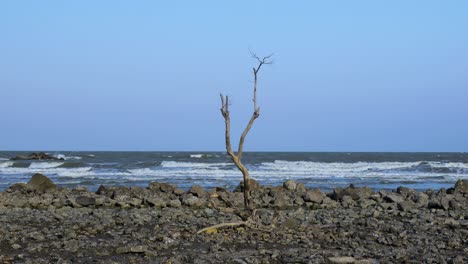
[45, 165]
[4, 159]
[62, 156]
[177, 164]
[50, 171]
[199, 156]
[5, 164]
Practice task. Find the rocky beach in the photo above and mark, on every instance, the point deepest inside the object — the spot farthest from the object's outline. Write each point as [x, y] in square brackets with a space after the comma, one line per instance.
[44, 223]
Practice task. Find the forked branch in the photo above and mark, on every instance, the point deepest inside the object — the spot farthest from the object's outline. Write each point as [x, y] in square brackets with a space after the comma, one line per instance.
[236, 158]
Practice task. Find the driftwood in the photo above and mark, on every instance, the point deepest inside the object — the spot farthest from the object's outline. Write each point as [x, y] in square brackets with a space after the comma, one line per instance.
[253, 222]
[236, 158]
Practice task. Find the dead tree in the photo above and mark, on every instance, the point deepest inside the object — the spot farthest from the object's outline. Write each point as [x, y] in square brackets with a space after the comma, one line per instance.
[237, 158]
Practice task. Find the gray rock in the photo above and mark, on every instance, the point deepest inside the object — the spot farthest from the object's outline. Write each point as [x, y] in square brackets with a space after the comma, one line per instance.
[192, 201]
[85, 200]
[461, 186]
[253, 186]
[198, 191]
[290, 185]
[394, 198]
[41, 183]
[162, 187]
[356, 193]
[406, 206]
[406, 192]
[71, 245]
[421, 199]
[300, 187]
[314, 196]
[156, 202]
[341, 260]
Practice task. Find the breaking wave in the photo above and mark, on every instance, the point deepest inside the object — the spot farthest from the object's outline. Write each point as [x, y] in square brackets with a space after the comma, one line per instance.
[5, 164]
[45, 165]
[178, 164]
[64, 157]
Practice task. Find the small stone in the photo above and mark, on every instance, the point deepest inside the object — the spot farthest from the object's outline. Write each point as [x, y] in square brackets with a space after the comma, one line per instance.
[138, 249]
[16, 246]
[339, 260]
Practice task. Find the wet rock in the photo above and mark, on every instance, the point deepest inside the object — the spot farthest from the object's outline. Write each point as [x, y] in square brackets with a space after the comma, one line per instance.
[41, 183]
[290, 185]
[314, 196]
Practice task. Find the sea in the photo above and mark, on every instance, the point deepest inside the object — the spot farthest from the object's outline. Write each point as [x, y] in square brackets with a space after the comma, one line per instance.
[324, 170]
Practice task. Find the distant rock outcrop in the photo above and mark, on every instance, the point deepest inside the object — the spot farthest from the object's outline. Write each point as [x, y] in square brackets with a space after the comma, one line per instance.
[36, 156]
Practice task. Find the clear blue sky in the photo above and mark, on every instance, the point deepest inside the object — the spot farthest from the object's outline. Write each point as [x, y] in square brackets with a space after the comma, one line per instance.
[146, 75]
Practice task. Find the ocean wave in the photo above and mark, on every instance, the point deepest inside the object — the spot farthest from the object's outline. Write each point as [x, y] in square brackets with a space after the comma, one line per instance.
[365, 167]
[6, 164]
[64, 157]
[45, 165]
[179, 164]
[199, 156]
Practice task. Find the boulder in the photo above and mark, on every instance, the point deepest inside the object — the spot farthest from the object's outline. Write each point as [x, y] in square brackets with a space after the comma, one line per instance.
[406, 206]
[197, 191]
[162, 187]
[290, 185]
[314, 196]
[192, 201]
[356, 193]
[41, 183]
[393, 198]
[253, 186]
[85, 200]
[405, 192]
[156, 202]
[461, 186]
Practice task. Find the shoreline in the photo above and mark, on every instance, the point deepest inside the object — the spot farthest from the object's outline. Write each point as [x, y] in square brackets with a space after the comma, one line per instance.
[42, 223]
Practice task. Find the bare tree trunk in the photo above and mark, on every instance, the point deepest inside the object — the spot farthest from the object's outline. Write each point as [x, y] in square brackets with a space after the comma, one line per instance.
[236, 158]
